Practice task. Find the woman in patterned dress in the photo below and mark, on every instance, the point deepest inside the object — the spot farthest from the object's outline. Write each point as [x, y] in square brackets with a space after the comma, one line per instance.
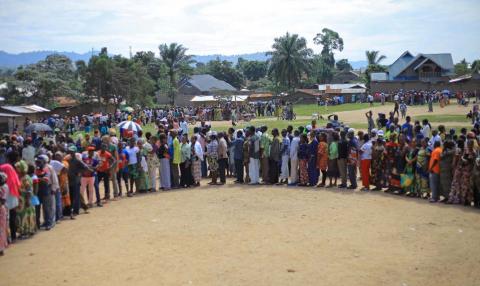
[197, 158]
[3, 213]
[322, 157]
[378, 164]
[303, 160]
[411, 161]
[461, 192]
[212, 157]
[421, 174]
[26, 221]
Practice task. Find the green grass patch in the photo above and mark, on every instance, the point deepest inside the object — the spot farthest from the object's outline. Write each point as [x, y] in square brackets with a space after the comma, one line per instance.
[443, 118]
[309, 109]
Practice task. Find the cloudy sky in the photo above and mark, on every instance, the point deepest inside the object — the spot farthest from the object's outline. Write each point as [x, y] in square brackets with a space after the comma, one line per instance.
[241, 26]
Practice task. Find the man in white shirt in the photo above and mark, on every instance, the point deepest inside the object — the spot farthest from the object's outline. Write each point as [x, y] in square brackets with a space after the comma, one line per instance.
[294, 145]
[183, 126]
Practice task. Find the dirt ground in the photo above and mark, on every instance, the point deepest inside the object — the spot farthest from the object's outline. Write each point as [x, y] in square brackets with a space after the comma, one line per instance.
[239, 235]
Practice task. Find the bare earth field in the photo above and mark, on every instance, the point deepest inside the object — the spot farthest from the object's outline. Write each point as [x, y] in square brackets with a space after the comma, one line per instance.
[239, 235]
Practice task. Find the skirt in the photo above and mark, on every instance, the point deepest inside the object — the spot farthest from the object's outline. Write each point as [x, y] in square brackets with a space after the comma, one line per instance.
[197, 170]
[332, 168]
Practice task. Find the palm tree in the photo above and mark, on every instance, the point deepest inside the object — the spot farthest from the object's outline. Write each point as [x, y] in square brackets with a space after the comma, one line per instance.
[290, 59]
[177, 62]
[373, 58]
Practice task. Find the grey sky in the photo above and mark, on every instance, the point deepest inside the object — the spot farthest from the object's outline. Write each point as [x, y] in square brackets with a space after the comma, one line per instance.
[242, 26]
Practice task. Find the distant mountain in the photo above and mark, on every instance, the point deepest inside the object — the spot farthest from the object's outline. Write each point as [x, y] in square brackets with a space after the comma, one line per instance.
[8, 60]
[260, 56]
[14, 60]
[356, 65]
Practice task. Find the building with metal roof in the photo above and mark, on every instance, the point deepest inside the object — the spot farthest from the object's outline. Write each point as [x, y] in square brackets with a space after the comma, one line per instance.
[422, 67]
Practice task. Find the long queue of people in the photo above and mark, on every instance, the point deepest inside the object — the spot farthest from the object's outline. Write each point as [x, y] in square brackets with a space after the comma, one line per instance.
[43, 183]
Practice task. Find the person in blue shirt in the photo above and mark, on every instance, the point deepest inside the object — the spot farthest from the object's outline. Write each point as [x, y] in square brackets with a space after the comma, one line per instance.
[238, 156]
[407, 127]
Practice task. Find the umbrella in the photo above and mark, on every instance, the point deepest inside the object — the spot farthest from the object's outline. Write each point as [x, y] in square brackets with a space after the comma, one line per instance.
[446, 91]
[129, 125]
[38, 127]
[127, 109]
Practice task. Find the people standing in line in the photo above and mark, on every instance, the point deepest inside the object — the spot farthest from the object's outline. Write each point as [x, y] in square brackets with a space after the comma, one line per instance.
[285, 156]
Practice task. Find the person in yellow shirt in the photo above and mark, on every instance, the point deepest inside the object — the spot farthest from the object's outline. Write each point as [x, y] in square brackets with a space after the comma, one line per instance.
[177, 158]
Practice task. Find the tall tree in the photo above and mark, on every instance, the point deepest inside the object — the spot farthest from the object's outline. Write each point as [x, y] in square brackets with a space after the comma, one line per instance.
[321, 71]
[343, 65]
[178, 63]
[290, 59]
[331, 41]
[252, 70]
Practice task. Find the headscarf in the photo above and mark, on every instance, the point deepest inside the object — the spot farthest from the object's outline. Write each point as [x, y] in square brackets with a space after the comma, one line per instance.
[22, 167]
[13, 182]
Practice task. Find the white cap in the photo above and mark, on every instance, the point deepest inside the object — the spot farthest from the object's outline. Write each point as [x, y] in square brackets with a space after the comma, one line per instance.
[380, 133]
[374, 130]
[351, 130]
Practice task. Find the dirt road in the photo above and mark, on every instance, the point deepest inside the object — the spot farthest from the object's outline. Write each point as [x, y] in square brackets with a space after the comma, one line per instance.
[239, 235]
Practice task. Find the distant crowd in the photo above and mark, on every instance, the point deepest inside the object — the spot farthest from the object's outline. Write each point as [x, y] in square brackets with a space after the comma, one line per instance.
[43, 181]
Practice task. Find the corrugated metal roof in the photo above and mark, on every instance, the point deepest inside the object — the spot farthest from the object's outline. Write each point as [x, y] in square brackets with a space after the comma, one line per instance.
[208, 83]
[26, 109]
[398, 65]
[8, 115]
[323, 87]
[445, 61]
[208, 98]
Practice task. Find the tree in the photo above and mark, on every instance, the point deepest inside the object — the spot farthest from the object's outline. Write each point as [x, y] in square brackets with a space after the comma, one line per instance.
[461, 68]
[373, 58]
[225, 71]
[343, 65]
[475, 66]
[178, 64]
[43, 81]
[252, 70]
[330, 40]
[290, 59]
[321, 71]
[99, 76]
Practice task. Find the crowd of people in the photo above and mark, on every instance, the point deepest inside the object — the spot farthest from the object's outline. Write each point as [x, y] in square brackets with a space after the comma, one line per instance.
[44, 181]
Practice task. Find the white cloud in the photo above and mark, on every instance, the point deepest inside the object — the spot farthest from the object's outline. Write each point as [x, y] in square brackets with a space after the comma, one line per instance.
[233, 27]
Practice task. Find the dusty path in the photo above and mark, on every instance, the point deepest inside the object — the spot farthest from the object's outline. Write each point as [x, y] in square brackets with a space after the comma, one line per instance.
[238, 235]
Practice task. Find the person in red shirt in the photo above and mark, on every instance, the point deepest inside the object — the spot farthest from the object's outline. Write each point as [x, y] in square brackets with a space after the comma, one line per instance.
[434, 168]
[106, 162]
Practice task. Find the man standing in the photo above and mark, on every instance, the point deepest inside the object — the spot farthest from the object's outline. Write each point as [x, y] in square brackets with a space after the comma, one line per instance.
[177, 158]
[294, 145]
[342, 159]
[106, 162]
[222, 157]
[352, 160]
[265, 142]
[434, 168]
[275, 157]
[254, 154]
[238, 156]
[285, 153]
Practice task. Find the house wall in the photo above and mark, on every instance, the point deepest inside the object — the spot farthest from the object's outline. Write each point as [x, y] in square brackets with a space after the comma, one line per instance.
[394, 86]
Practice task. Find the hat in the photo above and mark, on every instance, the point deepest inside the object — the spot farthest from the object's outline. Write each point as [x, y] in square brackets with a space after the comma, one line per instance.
[351, 130]
[308, 127]
[374, 130]
[44, 158]
[72, 148]
[380, 133]
[91, 148]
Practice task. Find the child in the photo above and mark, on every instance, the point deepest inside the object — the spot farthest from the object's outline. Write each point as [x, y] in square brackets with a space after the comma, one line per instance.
[3, 213]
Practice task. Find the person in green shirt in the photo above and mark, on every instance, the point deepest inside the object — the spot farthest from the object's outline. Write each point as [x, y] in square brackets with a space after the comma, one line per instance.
[177, 159]
[332, 160]
[265, 142]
